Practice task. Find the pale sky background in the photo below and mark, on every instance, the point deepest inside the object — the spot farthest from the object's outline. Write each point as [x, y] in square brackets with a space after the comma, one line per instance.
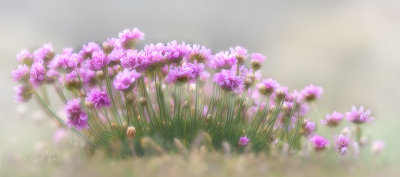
[351, 48]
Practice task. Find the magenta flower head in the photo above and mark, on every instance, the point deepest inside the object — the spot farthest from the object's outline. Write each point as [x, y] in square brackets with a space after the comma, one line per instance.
[44, 54]
[98, 99]
[229, 81]
[98, 60]
[22, 93]
[318, 142]
[37, 74]
[125, 79]
[88, 49]
[184, 73]
[222, 60]
[129, 37]
[175, 52]
[21, 74]
[312, 92]
[308, 127]
[116, 55]
[129, 60]
[110, 44]
[71, 81]
[333, 119]
[359, 116]
[66, 60]
[76, 117]
[256, 60]
[240, 53]
[243, 141]
[267, 86]
[25, 57]
[200, 53]
[342, 142]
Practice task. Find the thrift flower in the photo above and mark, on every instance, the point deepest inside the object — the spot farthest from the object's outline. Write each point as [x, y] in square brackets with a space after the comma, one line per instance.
[222, 60]
[37, 74]
[359, 116]
[129, 60]
[312, 92]
[43, 54]
[240, 53]
[377, 147]
[76, 117]
[129, 37]
[98, 99]
[256, 60]
[308, 127]
[25, 57]
[333, 119]
[200, 53]
[176, 52]
[125, 79]
[88, 49]
[243, 141]
[342, 143]
[22, 93]
[228, 81]
[21, 74]
[184, 73]
[98, 61]
[319, 143]
[267, 86]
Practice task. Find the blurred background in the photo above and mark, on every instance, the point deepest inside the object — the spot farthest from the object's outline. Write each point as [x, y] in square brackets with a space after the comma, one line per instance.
[350, 47]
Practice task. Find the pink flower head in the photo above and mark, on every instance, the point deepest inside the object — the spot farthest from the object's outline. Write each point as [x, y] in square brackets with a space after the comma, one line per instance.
[318, 142]
[309, 127]
[229, 81]
[256, 60]
[333, 119]
[359, 116]
[377, 147]
[44, 54]
[66, 60]
[130, 59]
[127, 37]
[98, 98]
[222, 60]
[185, 72]
[125, 79]
[25, 57]
[37, 74]
[151, 57]
[76, 117]
[88, 49]
[267, 86]
[116, 55]
[239, 52]
[199, 53]
[176, 52]
[110, 44]
[21, 74]
[342, 144]
[312, 92]
[98, 60]
[243, 141]
[22, 93]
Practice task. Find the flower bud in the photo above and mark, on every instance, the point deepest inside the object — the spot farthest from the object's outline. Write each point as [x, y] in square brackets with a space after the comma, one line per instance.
[255, 64]
[142, 100]
[89, 105]
[107, 48]
[131, 132]
[100, 75]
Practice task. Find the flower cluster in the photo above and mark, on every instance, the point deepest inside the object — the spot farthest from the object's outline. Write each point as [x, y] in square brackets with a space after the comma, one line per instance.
[171, 92]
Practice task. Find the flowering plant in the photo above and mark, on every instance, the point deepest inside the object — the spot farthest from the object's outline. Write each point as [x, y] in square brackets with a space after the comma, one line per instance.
[125, 100]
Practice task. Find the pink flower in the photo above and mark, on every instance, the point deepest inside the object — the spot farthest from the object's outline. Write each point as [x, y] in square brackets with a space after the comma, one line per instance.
[256, 60]
[359, 116]
[98, 60]
[98, 98]
[125, 79]
[309, 127]
[342, 143]
[43, 54]
[333, 119]
[76, 117]
[37, 74]
[176, 52]
[130, 59]
[88, 49]
[25, 57]
[185, 72]
[228, 81]
[222, 60]
[200, 53]
[267, 86]
[127, 37]
[243, 141]
[312, 92]
[319, 143]
[21, 74]
[22, 93]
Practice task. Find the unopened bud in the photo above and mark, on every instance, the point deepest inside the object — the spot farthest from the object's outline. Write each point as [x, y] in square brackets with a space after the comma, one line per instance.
[100, 75]
[89, 105]
[131, 132]
[113, 125]
[130, 97]
[142, 100]
[256, 65]
[107, 48]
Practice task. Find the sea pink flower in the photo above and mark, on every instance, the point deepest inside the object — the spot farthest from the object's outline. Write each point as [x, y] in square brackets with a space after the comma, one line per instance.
[229, 81]
[176, 52]
[312, 92]
[21, 74]
[43, 54]
[88, 49]
[318, 142]
[243, 141]
[98, 98]
[309, 127]
[240, 53]
[98, 60]
[22, 93]
[267, 86]
[25, 57]
[128, 37]
[76, 116]
[222, 60]
[256, 60]
[129, 60]
[37, 74]
[359, 116]
[333, 119]
[185, 72]
[125, 79]
[200, 53]
[342, 143]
